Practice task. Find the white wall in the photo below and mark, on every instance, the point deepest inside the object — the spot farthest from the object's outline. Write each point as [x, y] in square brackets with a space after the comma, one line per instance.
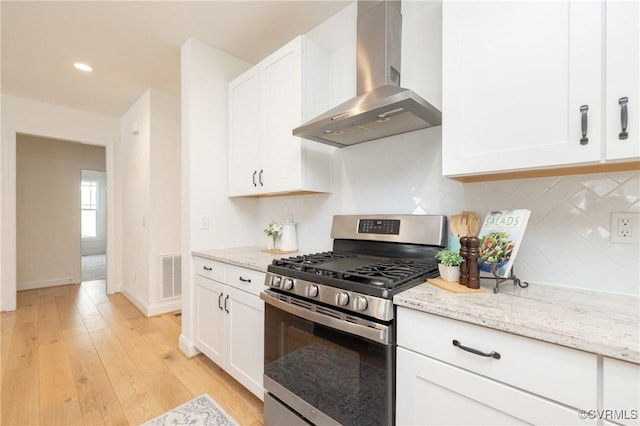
[205, 74]
[134, 159]
[165, 189]
[37, 118]
[48, 209]
[150, 169]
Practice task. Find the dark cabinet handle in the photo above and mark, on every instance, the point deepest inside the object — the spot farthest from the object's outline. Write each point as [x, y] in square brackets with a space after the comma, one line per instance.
[583, 112]
[225, 304]
[219, 302]
[623, 118]
[255, 172]
[260, 177]
[245, 280]
[491, 354]
[207, 268]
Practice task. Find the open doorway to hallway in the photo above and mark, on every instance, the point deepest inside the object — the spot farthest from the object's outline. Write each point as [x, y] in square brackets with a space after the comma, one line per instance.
[93, 225]
[48, 192]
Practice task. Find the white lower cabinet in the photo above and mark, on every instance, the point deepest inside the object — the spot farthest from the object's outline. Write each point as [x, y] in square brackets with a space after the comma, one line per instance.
[245, 339]
[433, 392]
[210, 320]
[230, 320]
[621, 391]
[529, 382]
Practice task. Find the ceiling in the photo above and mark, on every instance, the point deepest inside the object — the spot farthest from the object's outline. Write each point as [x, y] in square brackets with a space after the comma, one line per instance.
[134, 45]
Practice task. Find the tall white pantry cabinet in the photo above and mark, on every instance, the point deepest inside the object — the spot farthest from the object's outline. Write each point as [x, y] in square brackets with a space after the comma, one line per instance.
[534, 85]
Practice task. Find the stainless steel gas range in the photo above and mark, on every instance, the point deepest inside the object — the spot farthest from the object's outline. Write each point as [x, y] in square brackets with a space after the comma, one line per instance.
[330, 320]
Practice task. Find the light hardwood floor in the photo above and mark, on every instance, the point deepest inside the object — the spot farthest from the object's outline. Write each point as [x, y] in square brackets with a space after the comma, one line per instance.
[73, 355]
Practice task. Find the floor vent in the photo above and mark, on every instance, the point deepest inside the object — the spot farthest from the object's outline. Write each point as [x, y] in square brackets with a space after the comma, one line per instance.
[171, 276]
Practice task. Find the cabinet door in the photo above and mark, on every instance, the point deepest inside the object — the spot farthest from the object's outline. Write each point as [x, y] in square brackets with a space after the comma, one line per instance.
[432, 392]
[621, 391]
[623, 78]
[515, 75]
[210, 318]
[245, 339]
[244, 134]
[281, 94]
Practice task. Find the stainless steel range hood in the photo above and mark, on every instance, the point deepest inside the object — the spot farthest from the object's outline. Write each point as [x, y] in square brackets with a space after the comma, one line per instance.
[381, 108]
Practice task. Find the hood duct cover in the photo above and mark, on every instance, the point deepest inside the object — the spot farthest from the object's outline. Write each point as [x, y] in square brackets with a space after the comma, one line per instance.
[381, 108]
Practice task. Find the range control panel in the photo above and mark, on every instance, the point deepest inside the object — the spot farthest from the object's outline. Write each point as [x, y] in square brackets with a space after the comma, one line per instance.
[379, 226]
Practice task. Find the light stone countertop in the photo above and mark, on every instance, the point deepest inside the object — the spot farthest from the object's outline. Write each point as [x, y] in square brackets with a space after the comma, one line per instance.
[602, 323]
[246, 257]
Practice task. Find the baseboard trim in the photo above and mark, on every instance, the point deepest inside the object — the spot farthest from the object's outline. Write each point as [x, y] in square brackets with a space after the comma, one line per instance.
[31, 285]
[187, 348]
[165, 307]
[160, 308]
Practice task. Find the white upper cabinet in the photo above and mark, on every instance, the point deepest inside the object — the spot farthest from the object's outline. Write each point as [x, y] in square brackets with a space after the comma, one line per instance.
[522, 85]
[244, 133]
[265, 104]
[622, 94]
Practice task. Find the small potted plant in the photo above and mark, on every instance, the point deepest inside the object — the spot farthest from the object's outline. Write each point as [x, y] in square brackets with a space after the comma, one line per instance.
[449, 264]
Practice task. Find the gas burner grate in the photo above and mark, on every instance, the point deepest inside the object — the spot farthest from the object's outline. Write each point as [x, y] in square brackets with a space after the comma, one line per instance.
[387, 273]
[305, 262]
[391, 272]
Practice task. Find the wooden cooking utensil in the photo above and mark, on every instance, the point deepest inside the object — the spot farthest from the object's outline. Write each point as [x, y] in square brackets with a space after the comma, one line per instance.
[474, 225]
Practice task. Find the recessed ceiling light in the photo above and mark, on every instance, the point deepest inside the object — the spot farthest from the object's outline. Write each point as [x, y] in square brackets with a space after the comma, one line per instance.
[83, 67]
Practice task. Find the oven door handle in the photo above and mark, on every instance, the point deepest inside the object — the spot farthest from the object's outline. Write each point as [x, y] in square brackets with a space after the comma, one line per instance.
[379, 333]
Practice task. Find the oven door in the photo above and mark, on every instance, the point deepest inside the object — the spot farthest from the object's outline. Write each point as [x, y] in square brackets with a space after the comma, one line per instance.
[327, 366]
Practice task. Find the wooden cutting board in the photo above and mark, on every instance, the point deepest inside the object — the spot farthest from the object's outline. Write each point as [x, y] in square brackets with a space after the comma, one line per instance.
[274, 251]
[453, 287]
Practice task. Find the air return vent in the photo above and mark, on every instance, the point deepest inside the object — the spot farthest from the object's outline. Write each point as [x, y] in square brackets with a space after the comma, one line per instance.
[171, 276]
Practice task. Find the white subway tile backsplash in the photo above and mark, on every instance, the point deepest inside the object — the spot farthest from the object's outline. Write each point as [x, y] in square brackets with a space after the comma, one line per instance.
[566, 242]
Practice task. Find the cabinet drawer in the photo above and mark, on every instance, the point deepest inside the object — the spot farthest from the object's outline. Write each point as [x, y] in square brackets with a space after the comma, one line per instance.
[565, 375]
[209, 268]
[430, 392]
[245, 279]
[620, 390]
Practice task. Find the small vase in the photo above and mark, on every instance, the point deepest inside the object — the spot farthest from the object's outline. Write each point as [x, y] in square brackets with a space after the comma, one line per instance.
[449, 273]
[273, 242]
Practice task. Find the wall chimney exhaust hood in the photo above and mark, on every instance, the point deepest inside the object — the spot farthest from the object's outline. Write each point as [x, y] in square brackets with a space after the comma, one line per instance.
[381, 108]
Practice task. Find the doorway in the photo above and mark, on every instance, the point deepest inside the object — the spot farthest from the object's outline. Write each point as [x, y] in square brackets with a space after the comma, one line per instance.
[93, 225]
[48, 192]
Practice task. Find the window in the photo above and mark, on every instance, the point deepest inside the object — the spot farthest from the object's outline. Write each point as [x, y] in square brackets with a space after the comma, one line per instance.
[89, 206]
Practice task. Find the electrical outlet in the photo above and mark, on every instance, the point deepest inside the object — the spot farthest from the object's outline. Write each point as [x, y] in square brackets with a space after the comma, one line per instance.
[625, 227]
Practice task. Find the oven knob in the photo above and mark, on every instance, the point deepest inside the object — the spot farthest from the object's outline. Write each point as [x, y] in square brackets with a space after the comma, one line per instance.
[288, 284]
[312, 290]
[276, 281]
[360, 303]
[342, 299]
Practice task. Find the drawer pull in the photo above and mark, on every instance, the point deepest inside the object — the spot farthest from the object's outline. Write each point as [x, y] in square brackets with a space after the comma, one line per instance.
[207, 268]
[225, 304]
[219, 302]
[491, 354]
[245, 280]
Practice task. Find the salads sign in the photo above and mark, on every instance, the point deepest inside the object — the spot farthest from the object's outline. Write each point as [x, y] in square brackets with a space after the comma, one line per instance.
[500, 239]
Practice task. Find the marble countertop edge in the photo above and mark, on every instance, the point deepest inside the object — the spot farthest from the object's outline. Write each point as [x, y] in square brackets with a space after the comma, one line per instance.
[602, 323]
[594, 322]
